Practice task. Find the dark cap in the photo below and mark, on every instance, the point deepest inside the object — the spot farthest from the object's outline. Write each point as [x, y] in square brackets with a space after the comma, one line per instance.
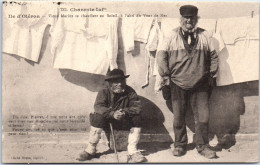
[188, 10]
[115, 74]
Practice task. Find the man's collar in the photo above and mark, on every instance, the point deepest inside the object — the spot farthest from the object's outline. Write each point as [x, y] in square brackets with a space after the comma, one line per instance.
[193, 32]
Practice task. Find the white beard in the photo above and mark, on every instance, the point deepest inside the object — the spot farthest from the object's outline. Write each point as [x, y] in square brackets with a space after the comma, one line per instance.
[185, 29]
[117, 90]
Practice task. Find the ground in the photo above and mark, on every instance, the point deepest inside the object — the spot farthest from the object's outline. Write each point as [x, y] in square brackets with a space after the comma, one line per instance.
[244, 150]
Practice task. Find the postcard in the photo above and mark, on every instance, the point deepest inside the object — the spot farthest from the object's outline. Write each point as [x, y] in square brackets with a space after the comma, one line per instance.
[130, 82]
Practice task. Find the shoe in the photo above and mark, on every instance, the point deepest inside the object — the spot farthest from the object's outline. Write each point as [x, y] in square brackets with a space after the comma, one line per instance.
[179, 151]
[85, 156]
[208, 153]
[136, 158]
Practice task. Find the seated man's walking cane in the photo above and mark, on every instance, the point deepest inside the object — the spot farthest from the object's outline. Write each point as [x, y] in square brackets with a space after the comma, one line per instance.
[114, 141]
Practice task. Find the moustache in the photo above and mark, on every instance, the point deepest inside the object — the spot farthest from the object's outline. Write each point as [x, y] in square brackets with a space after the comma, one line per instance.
[118, 89]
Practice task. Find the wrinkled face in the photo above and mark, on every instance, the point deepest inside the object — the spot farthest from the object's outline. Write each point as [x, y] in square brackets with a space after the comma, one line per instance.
[189, 22]
[117, 85]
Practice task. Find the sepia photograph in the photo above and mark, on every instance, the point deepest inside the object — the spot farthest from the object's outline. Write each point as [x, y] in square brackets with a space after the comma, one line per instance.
[130, 81]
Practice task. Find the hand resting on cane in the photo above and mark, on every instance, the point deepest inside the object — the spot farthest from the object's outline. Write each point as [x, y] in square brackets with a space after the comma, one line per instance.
[119, 114]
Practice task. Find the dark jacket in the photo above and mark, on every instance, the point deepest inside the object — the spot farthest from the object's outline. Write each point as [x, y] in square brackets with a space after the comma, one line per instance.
[186, 68]
[107, 101]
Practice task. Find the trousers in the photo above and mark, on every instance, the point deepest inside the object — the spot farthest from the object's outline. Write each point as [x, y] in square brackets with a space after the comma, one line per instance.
[99, 121]
[198, 99]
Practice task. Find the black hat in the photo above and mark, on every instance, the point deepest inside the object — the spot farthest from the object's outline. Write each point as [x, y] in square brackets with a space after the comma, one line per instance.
[115, 74]
[188, 10]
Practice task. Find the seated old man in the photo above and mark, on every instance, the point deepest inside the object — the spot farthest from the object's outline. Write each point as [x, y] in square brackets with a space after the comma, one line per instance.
[119, 105]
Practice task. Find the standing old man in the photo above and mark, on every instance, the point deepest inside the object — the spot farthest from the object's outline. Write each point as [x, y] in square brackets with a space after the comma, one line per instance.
[119, 105]
[188, 62]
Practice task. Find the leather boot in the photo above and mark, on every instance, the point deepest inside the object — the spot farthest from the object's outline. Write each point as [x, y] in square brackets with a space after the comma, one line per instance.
[206, 152]
[90, 151]
[179, 151]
